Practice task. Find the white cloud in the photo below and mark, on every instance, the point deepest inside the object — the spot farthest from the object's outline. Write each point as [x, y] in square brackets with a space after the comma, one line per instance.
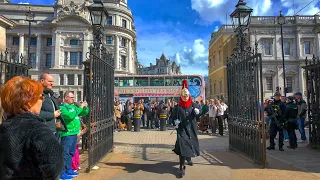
[212, 11]
[216, 29]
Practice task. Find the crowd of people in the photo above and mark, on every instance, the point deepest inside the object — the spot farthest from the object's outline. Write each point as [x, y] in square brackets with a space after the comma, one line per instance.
[152, 115]
[49, 129]
[284, 115]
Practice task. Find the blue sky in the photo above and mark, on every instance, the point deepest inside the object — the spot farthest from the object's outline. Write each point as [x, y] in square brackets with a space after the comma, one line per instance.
[182, 28]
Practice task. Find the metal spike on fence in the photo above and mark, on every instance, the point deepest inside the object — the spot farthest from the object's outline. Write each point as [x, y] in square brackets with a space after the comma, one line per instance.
[314, 59]
[306, 61]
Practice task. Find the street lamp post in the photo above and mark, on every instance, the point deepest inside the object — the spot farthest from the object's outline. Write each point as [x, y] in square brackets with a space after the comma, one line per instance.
[281, 22]
[98, 16]
[30, 18]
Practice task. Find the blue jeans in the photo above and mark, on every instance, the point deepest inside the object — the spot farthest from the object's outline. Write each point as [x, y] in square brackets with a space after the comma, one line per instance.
[69, 147]
[267, 120]
[301, 128]
[285, 133]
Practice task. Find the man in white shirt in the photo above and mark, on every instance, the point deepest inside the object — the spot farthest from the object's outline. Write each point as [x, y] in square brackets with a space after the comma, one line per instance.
[225, 115]
[220, 113]
[212, 117]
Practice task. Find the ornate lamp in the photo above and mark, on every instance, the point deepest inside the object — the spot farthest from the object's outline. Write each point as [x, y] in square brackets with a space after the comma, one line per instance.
[241, 16]
[98, 13]
[281, 19]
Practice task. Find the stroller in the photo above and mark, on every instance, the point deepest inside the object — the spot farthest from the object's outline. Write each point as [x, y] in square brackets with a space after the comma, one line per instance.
[204, 123]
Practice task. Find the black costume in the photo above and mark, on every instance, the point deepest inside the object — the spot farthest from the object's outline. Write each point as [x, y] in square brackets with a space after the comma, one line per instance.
[187, 144]
[291, 122]
[276, 114]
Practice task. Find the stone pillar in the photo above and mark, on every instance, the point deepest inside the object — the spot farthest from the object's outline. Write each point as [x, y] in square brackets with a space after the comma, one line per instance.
[302, 82]
[38, 54]
[131, 63]
[318, 44]
[53, 49]
[65, 77]
[298, 46]
[21, 45]
[277, 56]
[85, 46]
[116, 53]
[57, 49]
[76, 80]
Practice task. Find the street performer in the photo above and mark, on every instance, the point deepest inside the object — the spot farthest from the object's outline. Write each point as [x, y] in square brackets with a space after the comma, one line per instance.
[184, 115]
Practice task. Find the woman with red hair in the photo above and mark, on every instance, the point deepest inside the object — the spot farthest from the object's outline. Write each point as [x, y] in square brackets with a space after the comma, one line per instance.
[185, 114]
[28, 149]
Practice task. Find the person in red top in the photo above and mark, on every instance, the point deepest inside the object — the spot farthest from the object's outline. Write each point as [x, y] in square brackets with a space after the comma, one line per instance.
[184, 115]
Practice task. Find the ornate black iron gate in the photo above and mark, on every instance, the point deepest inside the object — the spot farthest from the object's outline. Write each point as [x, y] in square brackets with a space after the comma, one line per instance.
[99, 93]
[312, 72]
[245, 94]
[12, 65]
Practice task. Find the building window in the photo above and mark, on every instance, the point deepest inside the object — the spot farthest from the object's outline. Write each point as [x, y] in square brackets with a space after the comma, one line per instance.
[70, 79]
[79, 97]
[220, 85]
[155, 81]
[109, 40]
[124, 23]
[49, 41]
[109, 21]
[289, 81]
[307, 47]
[214, 89]
[48, 60]
[61, 79]
[286, 47]
[267, 48]
[123, 62]
[33, 41]
[220, 57]
[269, 83]
[123, 42]
[15, 41]
[74, 58]
[74, 42]
[79, 79]
[126, 82]
[80, 58]
[214, 60]
[33, 60]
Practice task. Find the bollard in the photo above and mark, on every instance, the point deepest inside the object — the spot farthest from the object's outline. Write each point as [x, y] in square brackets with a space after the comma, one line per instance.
[137, 123]
[163, 124]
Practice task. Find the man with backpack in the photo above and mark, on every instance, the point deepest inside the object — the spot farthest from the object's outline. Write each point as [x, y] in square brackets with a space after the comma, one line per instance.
[291, 122]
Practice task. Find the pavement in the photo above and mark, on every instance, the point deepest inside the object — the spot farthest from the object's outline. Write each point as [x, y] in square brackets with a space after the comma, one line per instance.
[147, 155]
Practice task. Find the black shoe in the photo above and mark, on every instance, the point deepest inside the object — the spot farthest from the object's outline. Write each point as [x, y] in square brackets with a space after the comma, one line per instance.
[190, 163]
[281, 149]
[271, 148]
[182, 172]
[291, 147]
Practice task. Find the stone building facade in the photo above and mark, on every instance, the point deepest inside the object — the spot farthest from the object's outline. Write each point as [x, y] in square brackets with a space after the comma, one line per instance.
[62, 34]
[162, 66]
[301, 41]
[4, 25]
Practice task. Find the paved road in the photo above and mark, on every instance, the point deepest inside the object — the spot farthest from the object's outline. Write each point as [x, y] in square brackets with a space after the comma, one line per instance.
[147, 155]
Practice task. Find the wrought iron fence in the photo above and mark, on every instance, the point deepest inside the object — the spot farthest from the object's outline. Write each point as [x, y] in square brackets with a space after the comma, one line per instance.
[12, 64]
[99, 93]
[245, 94]
[312, 72]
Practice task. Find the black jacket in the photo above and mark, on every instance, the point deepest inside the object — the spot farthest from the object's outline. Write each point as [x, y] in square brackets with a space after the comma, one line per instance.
[187, 143]
[47, 109]
[28, 150]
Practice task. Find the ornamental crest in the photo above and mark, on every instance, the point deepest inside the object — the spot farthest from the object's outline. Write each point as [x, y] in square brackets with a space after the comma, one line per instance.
[71, 10]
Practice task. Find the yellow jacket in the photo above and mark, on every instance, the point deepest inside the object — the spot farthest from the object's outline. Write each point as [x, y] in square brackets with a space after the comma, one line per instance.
[138, 110]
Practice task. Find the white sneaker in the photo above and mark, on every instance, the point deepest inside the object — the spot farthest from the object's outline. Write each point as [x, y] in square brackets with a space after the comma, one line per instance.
[302, 141]
[286, 140]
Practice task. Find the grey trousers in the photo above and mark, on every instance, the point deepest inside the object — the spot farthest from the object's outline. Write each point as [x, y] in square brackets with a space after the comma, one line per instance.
[213, 124]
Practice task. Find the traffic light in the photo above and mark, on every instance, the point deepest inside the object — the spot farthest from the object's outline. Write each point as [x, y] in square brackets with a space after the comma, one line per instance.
[277, 89]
